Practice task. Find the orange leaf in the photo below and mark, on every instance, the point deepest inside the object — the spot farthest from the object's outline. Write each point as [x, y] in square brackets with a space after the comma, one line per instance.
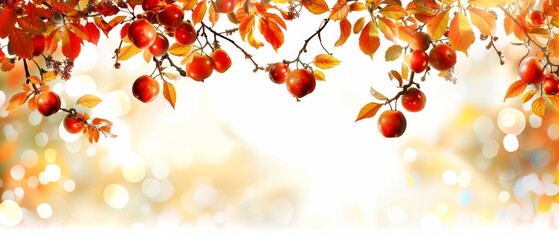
[17, 100]
[7, 65]
[484, 20]
[246, 26]
[437, 26]
[368, 111]
[528, 95]
[189, 4]
[369, 40]
[20, 42]
[345, 31]
[92, 32]
[460, 33]
[34, 79]
[340, 10]
[89, 101]
[326, 61]
[430, 4]
[405, 34]
[515, 89]
[199, 12]
[32, 103]
[393, 74]
[32, 25]
[554, 100]
[388, 28]
[79, 30]
[7, 22]
[393, 11]
[486, 3]
[128, 51]
[357, 6]
[512, 26]
[178, 49]
[214, 15]
[71, 44]
[169, 93]
[271, 32]
[393, 52]
[553, 46]
[538, 107]
[316, 6]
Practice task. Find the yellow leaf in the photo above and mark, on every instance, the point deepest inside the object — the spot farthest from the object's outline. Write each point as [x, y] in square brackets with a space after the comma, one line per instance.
[437, 26]
[345, 31]
[319, 75]
[178, 49]
[388, 29]
[358, 25]
[128, 51]
[189, 4]
[554, 100]
[325, 61]
[357, 6]
[515, 89]
[393, 52]
[147, 55]
[538, 107]
[487, 3]
[316, 6]
[169, 93]
[49, 76]
[393, 11]
[528, 95]
[340, 10]
[368, 111]
[484, 20]
[377, 95]
[460, 33]
[405, 34]
[88, 100]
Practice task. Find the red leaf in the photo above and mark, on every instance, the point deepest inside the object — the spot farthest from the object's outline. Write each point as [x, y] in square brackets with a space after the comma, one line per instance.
[20, 42]
[93, 32]
[369, 40]
[7, 21]
[271, 32]
[71, 44]
[32, 25]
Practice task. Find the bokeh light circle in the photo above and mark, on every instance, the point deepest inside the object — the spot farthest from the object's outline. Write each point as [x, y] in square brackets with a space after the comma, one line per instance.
[511, 121]
[116, 196]
[11, 213]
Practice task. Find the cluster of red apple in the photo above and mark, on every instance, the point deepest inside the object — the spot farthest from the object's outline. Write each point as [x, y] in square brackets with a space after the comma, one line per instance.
[442, 57]
[531, 71]
[299, 82]
[143, 34]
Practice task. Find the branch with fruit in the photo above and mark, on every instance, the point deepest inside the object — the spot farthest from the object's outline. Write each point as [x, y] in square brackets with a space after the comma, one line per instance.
[184, 39]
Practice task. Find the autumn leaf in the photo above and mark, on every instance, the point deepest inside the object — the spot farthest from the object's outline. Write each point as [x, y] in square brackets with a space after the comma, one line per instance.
[32, 103]
[169, 93]
[339, 10]
[395, 75]
[199, 12]
[554, 100]
[71, 44]
[405, 34]
[325, 61]
[358, 26]
[189, 4]
[178, 49]
[172, 76]
[553, 46]
[515, 89]
[88, 100]
[49, 76]
[393, 52]
[146, 55]
[32, 25]
[319, 75]
[17, 100]
[127, 52]
[368, 111]
[345, 31]
[34, 79]
[271, 32]
[437, 26]
[538, 107]
[487, 3]
[93, 32]
[20, 42]
[393, 11]
[484, 20]
[79, 30]
[214, 15]
[376, 94]
[357, 6]
[7, 21]
[388, 29]
[460, 33]
[369, 40]
[430, 4]
[528, 95]
[246, 29]
[316, 6]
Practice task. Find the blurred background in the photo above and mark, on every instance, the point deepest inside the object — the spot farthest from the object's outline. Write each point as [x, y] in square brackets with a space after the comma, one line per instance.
[239, 153]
